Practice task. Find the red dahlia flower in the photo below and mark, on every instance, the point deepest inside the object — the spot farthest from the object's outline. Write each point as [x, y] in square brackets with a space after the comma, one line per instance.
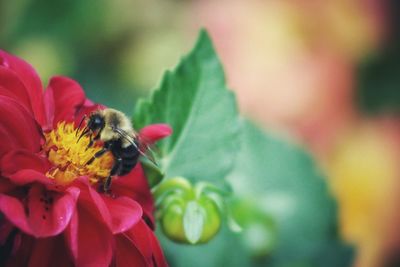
[50, 211]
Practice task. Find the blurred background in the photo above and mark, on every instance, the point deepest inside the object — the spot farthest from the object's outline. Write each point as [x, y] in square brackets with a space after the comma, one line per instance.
[323, 73]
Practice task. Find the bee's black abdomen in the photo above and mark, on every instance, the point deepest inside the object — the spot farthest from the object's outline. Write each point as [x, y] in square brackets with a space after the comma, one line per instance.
[128, 157]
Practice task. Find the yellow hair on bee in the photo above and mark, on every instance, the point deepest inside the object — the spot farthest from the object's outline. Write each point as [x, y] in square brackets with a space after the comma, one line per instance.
[115, 119]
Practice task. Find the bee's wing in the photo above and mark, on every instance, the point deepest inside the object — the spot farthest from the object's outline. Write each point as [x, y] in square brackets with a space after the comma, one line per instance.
[146, 151]
[143, 149]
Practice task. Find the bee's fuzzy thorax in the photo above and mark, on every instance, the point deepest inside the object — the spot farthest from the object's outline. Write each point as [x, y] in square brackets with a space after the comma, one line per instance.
[116, 119]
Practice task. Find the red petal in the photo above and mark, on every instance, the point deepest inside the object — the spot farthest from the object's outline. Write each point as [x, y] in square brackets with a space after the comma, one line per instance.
[6, 185]
[158, 254]
[143, 238]
[18, 129]
[30, 79]
[134, 185]
[152, 133]
[22, 248]
[49, 107]
[35, 219]
[71, 234]
[139, 237]
[5, 229]
[22, 159]
[58, 215]
[90, 241]
[13, 209]
[124, 211]
[23, 177]
[40, 255]
[49, 252]
[12, 86]
[126, 253]
[119, 213]
[92, 201]
[63, 98]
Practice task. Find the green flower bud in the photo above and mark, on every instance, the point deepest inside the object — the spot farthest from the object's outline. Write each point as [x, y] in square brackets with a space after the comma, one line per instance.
[187, 214]
[212, 220]
[172, 222]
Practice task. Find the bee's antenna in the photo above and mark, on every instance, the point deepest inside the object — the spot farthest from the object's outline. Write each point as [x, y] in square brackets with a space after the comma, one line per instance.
[80, 124]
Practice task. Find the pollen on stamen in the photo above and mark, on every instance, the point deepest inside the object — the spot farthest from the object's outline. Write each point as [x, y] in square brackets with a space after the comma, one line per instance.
[69, 157]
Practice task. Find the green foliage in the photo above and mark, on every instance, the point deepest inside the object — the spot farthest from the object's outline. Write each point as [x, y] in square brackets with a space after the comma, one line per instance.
[281, 201]
[285, 183]
[194, 100]
[282, 182]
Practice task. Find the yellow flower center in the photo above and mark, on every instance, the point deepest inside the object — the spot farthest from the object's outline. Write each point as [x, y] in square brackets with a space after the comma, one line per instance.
[70, 156]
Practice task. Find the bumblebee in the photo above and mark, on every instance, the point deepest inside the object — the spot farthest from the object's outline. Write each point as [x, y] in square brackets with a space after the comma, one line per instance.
[115, 130]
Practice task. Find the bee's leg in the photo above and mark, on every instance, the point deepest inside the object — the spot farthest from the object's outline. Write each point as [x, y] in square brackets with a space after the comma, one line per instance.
[107, 184]
[90, 142]
[115, 170]
[92, 139]
[98, 154]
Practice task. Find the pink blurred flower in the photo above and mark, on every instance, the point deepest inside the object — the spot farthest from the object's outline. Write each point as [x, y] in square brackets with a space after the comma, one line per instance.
[291, 63]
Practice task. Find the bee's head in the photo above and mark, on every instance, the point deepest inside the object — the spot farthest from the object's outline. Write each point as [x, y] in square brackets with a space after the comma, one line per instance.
[96, 122]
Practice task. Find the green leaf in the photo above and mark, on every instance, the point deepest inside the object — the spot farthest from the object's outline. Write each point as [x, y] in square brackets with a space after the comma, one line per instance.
[153, 173]
[285, 184]
[223, 250]
[193, 222]
[194, 100]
